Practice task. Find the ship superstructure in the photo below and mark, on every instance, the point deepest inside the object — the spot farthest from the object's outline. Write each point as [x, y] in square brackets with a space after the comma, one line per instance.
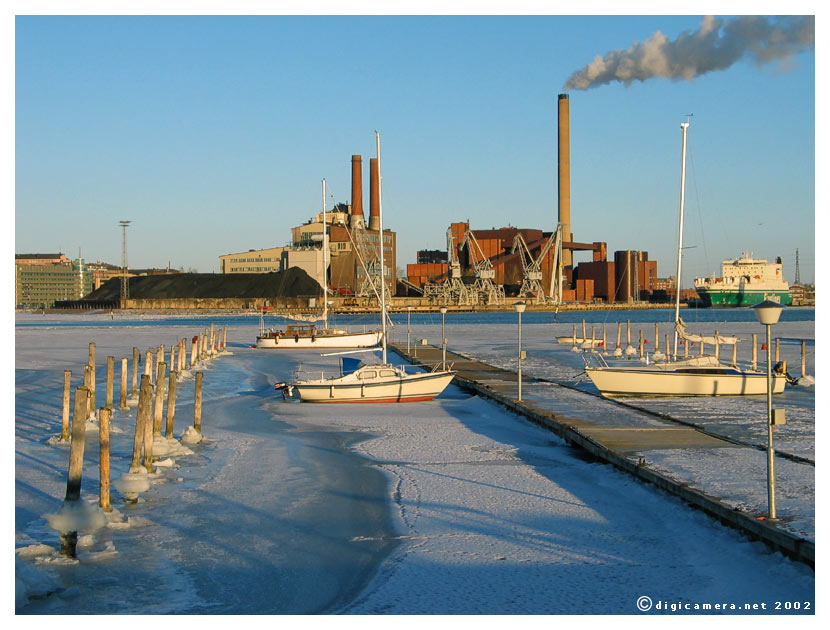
[745, 281]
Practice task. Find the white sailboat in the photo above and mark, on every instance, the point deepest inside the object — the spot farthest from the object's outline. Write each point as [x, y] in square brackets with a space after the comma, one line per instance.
[696, 376]
[309, 336]
[383, 383]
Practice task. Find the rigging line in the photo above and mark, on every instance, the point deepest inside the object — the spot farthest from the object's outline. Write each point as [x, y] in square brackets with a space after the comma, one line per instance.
[700, 214]
[366, 271]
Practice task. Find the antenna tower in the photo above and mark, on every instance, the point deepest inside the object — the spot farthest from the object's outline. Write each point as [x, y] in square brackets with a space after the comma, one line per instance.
[125, 286]
[797, 269]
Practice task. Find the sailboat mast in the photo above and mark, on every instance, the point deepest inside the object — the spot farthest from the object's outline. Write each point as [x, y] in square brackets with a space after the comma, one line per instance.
[380, 236]
[325, 263]
[685, 127]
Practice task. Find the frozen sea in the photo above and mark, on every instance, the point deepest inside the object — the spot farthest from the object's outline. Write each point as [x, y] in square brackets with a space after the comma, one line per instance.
[454, 506]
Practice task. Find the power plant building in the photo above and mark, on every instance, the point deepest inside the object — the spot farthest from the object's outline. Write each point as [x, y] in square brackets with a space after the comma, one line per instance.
[353, 255]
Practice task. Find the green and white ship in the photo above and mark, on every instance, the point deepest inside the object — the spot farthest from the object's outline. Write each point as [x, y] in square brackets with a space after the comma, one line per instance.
[745, 281]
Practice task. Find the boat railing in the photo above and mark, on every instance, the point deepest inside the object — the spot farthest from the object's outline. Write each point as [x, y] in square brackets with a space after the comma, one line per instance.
[597, 359]
[439, 367]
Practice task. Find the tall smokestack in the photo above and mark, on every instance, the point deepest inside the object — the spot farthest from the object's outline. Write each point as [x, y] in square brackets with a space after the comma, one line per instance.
[356, 220]
[565, 174]
[374, 196]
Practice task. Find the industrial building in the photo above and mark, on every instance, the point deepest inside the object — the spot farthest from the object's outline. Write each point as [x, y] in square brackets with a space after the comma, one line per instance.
[252, 261]
[354, 254]
[530, 263]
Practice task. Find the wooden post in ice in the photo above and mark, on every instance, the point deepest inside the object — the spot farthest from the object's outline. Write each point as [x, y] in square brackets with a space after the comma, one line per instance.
[173, 358]
[604, 340]
[212, 339]
[91, 377]
[110, 382]
[702, 345]
[145, 401]
[182, 349]
[148, 363]
[803, 358]
[159, 399]
[777, 349]
[87, 384]
[619, 334]
[641, 343]
[657, 337]
[717, 346]
[193, 351]
[133, 390]
[685, 346]
[224, 338]
[159, 357]
[734, 355]
[122, 402]
[171, 405]
[754, 352]
[667, 347]
[69, 540]
[104, 459]
[67, 376]
[76, 452]
[584, 333]
[197, 404]
[574, 337]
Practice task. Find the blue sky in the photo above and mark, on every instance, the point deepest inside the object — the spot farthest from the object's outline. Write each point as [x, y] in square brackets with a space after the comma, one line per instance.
[211, 134]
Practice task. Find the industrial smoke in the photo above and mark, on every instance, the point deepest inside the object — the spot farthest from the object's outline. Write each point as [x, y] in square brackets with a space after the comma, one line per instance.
[716, 45]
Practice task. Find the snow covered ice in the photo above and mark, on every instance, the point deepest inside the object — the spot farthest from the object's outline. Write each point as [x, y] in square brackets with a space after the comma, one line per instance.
[452, 506]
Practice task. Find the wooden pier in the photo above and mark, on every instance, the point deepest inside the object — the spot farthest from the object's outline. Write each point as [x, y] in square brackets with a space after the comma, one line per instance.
[618, 446]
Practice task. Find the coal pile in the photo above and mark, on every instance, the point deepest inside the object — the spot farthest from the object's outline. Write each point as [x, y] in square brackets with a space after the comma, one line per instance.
[293, 282]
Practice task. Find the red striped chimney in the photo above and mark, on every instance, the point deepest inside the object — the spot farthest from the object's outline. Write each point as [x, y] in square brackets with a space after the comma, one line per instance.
[356, 220]
[374, 195]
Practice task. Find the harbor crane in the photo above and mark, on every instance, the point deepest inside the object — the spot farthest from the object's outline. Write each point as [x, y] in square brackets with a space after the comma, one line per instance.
[452, 290]
[484, 288]
[531, 288]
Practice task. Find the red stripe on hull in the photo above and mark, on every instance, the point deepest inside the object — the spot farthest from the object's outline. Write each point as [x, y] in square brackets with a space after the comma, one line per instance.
[375, 400]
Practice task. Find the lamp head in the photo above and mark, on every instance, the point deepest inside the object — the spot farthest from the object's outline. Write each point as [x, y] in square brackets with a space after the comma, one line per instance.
[520, 307]
[443, 310]
[768, 312]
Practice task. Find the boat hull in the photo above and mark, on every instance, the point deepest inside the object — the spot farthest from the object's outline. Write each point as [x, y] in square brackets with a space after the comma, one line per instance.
[742, 298]
[322, 341]
[625, 381]
[407, 388]
[569, 341]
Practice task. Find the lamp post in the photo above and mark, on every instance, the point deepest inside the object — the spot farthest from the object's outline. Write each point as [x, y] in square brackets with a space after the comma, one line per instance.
[768, 313]
[408, 326]
[443, 310]
[520, 308]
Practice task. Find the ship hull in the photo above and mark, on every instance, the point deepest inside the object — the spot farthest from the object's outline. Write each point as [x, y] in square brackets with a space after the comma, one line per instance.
[742, 298]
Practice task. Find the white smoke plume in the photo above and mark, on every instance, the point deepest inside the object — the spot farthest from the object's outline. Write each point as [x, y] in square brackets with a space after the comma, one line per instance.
[716, 45]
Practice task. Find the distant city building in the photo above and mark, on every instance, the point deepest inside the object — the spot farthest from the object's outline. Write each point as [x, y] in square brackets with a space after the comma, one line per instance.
[803, 294]
[43, 279]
